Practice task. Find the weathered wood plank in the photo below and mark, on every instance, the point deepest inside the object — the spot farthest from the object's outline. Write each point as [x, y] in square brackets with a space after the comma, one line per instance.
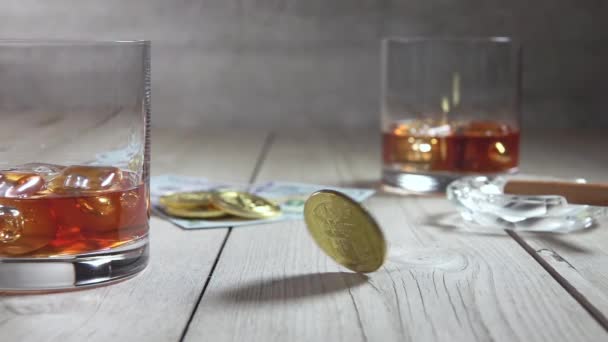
[580, 260]
[155, 305]
[439, 283]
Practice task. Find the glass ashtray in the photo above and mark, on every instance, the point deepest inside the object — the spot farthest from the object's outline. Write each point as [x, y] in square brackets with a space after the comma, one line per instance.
[483, 205]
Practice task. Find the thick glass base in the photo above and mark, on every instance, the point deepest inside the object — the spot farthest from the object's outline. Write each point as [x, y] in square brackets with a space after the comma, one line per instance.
[415, 183]
[72, 272]
[422, 183]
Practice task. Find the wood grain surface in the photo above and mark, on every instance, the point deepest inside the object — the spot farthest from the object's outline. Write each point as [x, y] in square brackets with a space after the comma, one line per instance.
[156, 304]
[439, 283]
[578, 261]
[271, 283]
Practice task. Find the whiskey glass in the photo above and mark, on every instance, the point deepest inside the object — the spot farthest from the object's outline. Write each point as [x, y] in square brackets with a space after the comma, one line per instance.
[449, 108]
[74, 162]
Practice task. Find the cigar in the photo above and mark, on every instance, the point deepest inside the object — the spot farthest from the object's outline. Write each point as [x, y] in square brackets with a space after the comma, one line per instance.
[575, 193]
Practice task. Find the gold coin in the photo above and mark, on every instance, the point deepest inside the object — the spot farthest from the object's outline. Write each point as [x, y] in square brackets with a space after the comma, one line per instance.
[194, 213]
[186, 200]
[345, 231]
[243, 204]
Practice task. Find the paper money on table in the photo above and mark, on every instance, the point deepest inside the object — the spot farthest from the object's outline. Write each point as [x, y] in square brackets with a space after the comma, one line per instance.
[290, 196]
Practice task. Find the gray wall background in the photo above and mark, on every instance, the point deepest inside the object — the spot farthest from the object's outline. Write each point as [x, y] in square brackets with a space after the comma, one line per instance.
[259, 63]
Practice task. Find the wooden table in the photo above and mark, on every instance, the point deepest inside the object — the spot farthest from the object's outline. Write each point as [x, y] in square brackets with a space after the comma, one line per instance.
[271, 283]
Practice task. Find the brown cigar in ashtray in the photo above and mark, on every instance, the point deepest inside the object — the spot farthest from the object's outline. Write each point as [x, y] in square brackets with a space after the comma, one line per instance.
[575, 193]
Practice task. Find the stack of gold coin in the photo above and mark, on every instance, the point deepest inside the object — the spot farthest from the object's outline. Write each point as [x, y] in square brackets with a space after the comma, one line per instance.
[217, 204]
[345, 231]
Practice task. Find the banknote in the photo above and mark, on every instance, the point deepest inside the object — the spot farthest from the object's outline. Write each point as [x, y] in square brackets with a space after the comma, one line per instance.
[290, 196]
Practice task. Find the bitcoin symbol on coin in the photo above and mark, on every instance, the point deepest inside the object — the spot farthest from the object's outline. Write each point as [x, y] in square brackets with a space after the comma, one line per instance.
[345, 231]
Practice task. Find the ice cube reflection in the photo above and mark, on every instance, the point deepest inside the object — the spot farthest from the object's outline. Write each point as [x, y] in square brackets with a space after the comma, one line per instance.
[20, 184]
[483, 205]
[24, 228]
[85, 179]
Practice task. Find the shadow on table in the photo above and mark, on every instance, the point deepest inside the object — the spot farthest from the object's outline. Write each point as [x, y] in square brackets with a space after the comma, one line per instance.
[562, 241]
[361, 183]
[294, 287]
[387, 191]
[451, 222]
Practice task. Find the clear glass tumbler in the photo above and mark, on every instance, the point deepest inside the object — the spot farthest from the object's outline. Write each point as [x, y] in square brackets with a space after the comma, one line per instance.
[74, 162]
[449, 107]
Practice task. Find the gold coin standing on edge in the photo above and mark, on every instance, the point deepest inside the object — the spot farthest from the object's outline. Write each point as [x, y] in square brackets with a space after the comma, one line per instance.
[345, 231]
[245, 205]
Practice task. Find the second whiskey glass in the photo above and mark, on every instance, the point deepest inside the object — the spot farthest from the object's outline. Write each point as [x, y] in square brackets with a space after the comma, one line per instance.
[449, 107]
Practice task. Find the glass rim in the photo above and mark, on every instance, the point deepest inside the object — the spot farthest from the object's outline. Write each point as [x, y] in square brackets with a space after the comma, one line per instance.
[430, 39]
[70, 42]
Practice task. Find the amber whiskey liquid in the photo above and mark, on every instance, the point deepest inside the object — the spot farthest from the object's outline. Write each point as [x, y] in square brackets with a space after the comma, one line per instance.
[473, 147]
[51, 210]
